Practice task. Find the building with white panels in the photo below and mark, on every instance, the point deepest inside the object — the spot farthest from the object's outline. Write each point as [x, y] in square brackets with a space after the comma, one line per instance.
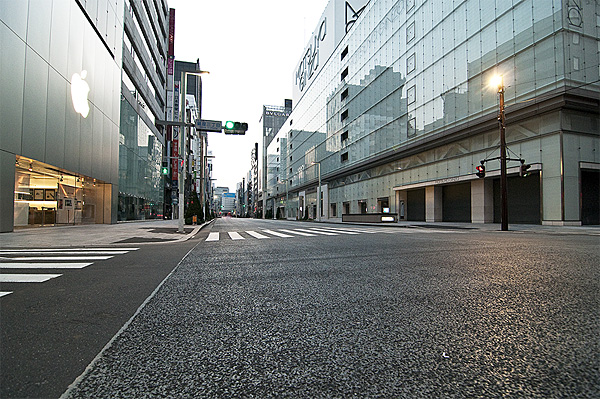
[394, 110]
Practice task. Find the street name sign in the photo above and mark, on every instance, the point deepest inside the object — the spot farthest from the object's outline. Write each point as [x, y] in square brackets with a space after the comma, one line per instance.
[209, 126]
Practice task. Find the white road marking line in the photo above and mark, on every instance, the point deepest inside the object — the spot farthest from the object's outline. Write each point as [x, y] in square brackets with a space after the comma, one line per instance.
[235, 236]
[275, 233]
[67, 249]
[47, 265]
[256, 235]
[61, 258]
[3, 293]
[325, 233]
[63, 252]
[27, 278]
[338, 231]
[213, 237]
[298, 232]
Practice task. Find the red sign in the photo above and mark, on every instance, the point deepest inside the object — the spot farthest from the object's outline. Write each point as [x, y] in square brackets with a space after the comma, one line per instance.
[174, 165]
[171, 32]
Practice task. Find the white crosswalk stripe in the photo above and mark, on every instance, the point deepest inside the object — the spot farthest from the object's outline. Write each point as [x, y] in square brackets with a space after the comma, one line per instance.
[49, 259]
[257, 235]
[26, 278]
[322, 232]
[235, 236]
[48, 265]
[331, 229]
[297, 231]
[69, 250]
[213, 236]
[61, 258]
[276, 233]
[351, 230]
[61, 252]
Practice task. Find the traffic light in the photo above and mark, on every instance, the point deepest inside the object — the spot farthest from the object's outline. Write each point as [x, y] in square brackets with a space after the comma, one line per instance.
[165, 168]
[480, 170]
[235, 127]
[523, 170]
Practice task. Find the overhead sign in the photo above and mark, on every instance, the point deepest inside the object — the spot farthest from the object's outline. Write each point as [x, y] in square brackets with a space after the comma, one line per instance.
[229, 195]
[209, 126]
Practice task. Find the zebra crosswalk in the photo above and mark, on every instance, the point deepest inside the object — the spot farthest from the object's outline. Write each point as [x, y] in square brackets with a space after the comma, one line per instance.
[32, 262]
[314, 232]
[293, 232]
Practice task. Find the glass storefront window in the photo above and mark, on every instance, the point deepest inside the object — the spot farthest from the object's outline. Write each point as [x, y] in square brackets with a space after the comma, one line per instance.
[48, 196]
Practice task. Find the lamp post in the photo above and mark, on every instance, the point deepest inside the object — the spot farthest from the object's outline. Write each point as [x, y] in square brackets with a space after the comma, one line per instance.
[497, 81]
[318, 191]
[182, 140]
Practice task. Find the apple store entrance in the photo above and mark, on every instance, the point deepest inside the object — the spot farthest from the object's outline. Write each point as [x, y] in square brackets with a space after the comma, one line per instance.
[47, 196]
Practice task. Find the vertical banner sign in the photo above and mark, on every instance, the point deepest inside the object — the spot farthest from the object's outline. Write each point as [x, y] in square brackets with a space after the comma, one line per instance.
[171, 52]
[176, 99]
[175, 160]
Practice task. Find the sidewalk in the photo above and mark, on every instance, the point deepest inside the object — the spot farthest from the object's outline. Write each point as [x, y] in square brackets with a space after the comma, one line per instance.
[127, 233]
[165, 231]
[522, 228]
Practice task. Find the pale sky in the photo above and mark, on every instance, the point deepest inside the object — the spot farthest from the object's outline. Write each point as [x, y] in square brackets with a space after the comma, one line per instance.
[251, 49]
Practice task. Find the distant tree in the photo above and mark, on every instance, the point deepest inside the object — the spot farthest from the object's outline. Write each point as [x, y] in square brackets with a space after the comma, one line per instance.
[194, 209]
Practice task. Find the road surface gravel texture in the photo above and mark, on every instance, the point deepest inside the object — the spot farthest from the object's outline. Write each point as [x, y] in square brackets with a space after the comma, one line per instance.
[474, 315]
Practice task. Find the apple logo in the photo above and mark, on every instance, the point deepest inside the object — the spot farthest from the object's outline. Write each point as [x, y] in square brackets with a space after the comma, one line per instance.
[79, 93]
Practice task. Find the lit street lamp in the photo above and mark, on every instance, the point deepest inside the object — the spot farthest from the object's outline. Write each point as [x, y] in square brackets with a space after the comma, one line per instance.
[182, 140]
[498, 83]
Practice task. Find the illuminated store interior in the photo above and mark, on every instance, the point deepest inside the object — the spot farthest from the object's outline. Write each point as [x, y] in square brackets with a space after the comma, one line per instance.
[48, 196]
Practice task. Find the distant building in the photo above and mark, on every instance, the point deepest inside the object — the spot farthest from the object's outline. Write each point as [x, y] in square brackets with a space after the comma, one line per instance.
[272, 119]
[217, 196]
[228, 203]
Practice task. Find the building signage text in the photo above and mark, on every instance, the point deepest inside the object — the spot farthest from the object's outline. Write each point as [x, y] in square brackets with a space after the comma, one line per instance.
[310, 62]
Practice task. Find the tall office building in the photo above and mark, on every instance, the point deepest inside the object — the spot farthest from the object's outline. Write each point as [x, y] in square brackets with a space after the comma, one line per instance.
[393, 105]
[143, 102]
[60, 79]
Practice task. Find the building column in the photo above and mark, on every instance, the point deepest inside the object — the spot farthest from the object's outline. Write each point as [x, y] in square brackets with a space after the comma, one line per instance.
[433, 204]
[401, 204]
[325, 208]
[7, 191]
[482, 201]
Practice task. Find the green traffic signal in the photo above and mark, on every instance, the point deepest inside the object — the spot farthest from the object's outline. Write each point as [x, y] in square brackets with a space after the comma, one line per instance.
[165, 170]
[229, 125]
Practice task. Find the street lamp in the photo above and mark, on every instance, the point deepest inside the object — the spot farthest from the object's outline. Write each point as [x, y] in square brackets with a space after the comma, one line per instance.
[182, 140]
[498, 83]
[318, 191]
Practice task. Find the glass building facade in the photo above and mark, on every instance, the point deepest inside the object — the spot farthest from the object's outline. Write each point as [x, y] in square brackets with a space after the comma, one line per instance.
[143, 102]
[60, 83]
[401, 112]
[82, 85]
